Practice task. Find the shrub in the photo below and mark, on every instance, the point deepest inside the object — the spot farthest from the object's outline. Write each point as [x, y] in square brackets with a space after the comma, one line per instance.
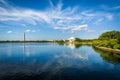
[117, 46]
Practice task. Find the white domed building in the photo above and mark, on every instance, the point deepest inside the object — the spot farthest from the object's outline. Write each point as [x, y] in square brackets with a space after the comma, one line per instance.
[71, 39]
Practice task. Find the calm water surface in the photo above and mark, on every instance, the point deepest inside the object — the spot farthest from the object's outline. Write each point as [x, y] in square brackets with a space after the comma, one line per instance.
[51, 61]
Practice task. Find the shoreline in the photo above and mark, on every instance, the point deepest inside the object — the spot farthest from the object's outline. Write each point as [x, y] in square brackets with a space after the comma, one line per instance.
[81, 43]
[26, 41]
[108, 49]
[86, 43]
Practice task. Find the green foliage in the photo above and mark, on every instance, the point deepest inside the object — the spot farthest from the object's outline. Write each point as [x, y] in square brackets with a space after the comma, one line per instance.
[118, 40]
[116, 46]
[110, 35]
[112, 43]
[60, 42]
[108, 56]
[109, 39]
[77, 39]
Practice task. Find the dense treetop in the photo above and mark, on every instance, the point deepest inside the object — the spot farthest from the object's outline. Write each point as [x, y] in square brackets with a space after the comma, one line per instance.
[110, 35]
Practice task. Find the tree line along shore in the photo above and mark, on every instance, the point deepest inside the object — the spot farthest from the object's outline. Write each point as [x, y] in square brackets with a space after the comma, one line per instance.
[107, 41]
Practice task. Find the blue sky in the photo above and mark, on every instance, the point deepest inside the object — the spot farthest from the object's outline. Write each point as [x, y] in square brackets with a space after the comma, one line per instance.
[57, 19]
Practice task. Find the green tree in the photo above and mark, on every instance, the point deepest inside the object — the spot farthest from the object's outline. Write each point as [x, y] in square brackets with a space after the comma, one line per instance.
[77, 39]
[109, 39]
[110, 35]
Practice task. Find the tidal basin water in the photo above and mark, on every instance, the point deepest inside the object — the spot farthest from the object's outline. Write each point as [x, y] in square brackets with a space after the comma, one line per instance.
[51, 61]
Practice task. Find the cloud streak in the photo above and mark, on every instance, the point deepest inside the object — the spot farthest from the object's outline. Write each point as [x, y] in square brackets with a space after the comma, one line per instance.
[109, 8]
[73, 28]
[57, 18]
[9, 32]
[28, 30]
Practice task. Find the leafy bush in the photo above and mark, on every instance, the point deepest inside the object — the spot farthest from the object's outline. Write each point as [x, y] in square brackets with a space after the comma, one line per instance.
[117, 46]
[112, 43]
[109, 39]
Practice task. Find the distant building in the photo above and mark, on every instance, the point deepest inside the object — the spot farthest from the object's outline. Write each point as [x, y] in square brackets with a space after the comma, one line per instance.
[71, 39]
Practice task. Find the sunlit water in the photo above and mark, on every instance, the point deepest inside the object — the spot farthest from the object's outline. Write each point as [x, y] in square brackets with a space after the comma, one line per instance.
[51, 61]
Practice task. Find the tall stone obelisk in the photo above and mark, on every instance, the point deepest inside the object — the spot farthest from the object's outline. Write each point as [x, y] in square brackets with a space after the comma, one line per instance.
[24, 36]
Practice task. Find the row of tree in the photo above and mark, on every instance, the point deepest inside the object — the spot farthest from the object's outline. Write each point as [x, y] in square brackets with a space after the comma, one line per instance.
[109, 39]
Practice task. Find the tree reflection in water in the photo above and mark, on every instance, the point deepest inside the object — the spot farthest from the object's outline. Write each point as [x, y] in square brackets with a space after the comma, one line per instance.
[108, 56]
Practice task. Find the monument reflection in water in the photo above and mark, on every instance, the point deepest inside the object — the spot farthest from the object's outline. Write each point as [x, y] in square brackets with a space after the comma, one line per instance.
[51, 61]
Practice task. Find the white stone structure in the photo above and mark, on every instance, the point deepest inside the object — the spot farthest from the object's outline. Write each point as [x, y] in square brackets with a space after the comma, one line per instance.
[71, 39]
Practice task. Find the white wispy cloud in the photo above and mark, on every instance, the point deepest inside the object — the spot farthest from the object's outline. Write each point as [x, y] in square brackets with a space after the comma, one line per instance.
[91, 31]
[9, 32]
[116, 7]
[88, 13]
[80, 27]
[99, 21]
[28, 30]
[105, 31]
[55, 16]
[105, 7]
[73, 28]
[109, 16]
